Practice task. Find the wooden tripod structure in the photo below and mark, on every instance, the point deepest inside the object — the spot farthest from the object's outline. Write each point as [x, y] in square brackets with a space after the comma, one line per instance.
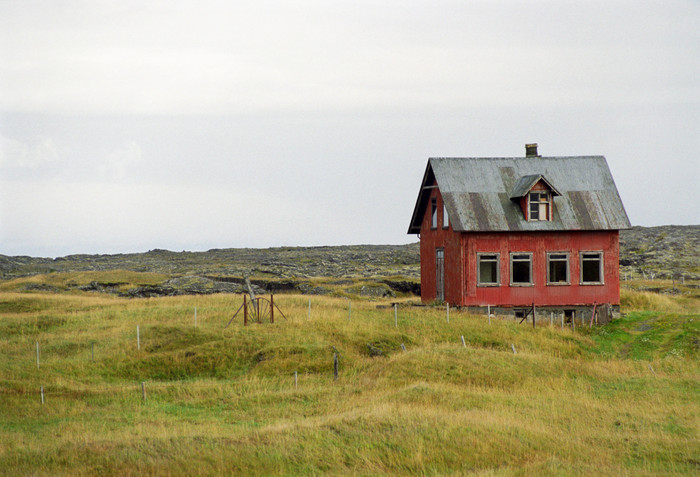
[258, 309]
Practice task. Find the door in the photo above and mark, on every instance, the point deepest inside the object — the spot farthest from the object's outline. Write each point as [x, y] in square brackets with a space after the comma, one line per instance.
[440, 274]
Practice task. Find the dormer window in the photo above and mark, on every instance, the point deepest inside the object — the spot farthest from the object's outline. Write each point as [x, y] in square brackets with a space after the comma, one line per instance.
[534, 194]
[539, 204]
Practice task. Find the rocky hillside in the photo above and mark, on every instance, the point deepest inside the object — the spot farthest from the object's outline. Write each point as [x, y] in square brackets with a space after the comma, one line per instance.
[661, 252]
[646, 252]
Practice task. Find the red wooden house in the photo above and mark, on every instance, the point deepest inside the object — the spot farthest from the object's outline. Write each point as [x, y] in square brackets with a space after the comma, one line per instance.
[515, 232]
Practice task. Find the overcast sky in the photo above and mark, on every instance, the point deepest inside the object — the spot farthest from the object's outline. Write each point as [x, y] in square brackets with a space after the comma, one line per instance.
[132, 125]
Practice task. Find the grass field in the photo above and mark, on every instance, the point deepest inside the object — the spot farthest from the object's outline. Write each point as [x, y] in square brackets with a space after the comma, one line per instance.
[623, 399]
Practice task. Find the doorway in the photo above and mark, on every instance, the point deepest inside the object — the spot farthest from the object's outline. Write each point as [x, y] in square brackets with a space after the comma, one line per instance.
[440, 274]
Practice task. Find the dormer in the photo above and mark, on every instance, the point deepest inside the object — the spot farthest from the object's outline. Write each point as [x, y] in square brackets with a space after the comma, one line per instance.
[534, 193]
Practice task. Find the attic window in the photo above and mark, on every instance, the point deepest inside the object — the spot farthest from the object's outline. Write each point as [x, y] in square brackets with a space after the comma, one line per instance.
[433, 213]
[539, 204]
[445, 217]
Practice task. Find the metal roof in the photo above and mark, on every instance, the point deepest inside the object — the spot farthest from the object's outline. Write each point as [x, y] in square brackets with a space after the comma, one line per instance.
[477, 192]
[526, 183]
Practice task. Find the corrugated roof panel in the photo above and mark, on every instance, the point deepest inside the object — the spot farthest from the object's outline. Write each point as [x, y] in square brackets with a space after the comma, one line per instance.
[476, 189]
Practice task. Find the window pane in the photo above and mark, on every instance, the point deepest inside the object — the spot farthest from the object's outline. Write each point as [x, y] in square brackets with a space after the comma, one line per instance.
[488, 272]
[534, 211]
[445, 217]
[591, 267]
[433, 218]
[590, 270]
[557, 272]
[521, 268]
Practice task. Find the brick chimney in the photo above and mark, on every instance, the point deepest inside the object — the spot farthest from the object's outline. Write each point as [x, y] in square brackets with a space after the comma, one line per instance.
[531, 150]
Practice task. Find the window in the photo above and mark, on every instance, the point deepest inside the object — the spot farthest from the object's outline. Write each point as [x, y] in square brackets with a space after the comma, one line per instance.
[591, 268]
[557, 268]
[488, 269]
[433, 213]
[440, 274]
[539, 205]
[445, 217]
[521, 269]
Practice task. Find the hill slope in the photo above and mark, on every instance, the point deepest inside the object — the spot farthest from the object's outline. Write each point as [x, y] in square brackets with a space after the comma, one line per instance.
[621, 399]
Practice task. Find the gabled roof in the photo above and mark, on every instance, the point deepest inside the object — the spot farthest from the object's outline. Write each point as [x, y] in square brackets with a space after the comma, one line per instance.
[526, 183]
[477, 192]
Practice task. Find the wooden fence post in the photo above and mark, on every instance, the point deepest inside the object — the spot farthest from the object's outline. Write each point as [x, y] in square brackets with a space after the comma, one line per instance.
[396, 316]
[448, 312]
[143, 389]
[335, 366]
[138, 339]
[463, 343]
[245, 310]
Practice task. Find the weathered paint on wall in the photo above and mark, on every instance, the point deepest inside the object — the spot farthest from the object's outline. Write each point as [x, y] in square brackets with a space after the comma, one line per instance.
[461, 250]
[447, 239]
[539, 244]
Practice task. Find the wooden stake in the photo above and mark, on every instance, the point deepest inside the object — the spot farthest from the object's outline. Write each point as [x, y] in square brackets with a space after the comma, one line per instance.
[396, 316]
[512, 346]
[143, 389]
[295, 379]
[272, 308]
[245, 310]
[138, 339]
[42, 394]
[533, 314]
[463, 343]
[448, 312]
[562, 320]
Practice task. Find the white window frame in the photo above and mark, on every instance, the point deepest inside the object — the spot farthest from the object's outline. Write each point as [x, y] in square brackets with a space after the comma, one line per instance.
[566, 259]
[601, 266]
[542, 204]
[445, 216]
[529, 260]
[479, 257]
